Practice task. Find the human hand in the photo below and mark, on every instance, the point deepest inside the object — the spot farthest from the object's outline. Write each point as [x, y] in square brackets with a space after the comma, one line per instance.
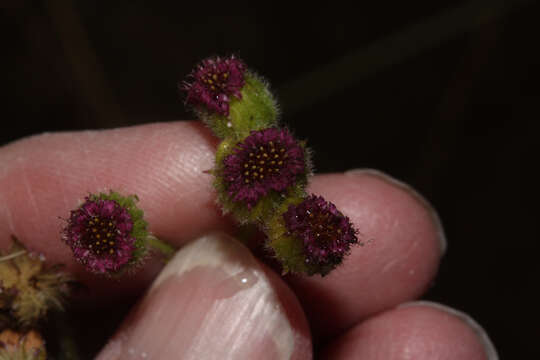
[214, 299]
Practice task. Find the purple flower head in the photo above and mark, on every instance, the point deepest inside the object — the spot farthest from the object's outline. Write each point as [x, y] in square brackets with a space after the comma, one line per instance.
[269, 159]
[215, 80]
[326, 233]
[99, 233]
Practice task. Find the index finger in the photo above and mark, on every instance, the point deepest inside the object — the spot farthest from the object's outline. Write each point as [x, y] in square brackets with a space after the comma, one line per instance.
[43, 177]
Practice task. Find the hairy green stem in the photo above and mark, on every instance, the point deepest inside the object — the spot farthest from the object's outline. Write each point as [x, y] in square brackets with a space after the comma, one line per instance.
[161, 246]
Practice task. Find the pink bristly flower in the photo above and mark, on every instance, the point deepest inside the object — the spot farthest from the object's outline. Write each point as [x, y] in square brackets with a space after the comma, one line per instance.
[325, 232]
[213, 83]
[266, 160]
[100, 234]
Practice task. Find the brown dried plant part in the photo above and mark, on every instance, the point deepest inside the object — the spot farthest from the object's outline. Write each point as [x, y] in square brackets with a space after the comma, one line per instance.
[28, 288]
[19, 346]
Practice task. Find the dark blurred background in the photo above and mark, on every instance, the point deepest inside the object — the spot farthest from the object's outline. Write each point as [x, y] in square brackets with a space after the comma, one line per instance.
[439, 94]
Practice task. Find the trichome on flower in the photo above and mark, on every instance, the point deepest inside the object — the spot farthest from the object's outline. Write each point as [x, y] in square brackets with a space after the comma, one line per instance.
[229, 98]
[107, 232]
[214, 82]
[325, 233]
[268, 160]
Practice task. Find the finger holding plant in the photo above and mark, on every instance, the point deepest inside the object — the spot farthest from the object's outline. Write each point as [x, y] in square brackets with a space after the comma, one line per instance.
[260, 173]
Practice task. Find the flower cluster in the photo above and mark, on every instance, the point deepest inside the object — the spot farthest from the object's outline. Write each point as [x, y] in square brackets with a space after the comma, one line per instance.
[261, 170]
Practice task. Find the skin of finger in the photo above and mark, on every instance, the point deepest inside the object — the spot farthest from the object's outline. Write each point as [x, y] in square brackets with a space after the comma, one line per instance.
[418, 332]
[214, 300]
[43, 177]
[397, 262]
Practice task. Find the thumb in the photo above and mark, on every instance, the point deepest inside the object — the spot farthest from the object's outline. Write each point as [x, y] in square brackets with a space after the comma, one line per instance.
[214, 301]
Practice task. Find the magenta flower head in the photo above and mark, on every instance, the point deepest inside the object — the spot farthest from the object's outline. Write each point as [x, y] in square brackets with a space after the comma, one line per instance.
[265, 165]
[107, 233]
[315, 236]
[229, 98]
[213, 83]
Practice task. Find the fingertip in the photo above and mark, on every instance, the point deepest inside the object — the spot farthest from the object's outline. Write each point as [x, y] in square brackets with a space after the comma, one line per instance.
[479, 331]
[417, 330]
[400, 257]
[436, 220]
[214, 301]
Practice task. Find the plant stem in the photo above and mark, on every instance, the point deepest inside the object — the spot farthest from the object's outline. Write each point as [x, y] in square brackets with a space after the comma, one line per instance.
[165, 249]
[11, 256]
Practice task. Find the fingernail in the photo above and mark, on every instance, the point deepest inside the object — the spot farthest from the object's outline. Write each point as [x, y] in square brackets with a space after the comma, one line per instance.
[211, 301]
[422, 200]
[491, 352]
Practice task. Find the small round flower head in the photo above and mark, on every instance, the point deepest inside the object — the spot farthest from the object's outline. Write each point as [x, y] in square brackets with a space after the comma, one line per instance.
[326, 234]
[214, 81]
[107, 232]
[266, 160]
